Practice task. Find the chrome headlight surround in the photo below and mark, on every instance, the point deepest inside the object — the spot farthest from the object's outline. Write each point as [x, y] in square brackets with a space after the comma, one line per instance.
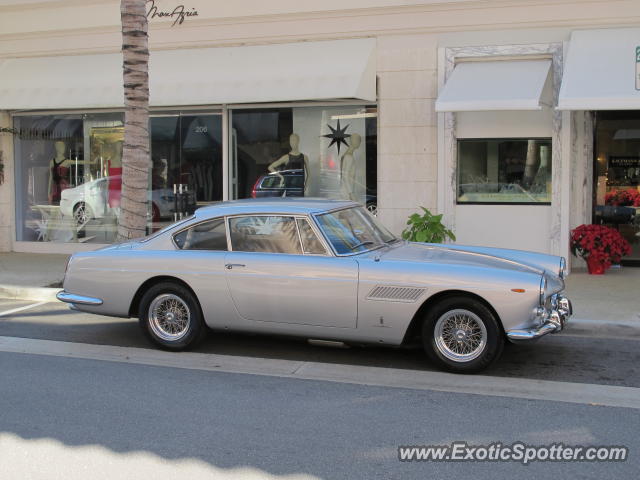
[562, 271]
[543, 288]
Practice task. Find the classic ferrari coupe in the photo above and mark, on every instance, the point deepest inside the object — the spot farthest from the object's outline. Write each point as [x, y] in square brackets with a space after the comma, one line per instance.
[321, 269]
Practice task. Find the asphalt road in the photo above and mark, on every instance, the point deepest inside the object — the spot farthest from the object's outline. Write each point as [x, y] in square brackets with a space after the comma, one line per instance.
[563, 357]
[78, 418]
[75, 418]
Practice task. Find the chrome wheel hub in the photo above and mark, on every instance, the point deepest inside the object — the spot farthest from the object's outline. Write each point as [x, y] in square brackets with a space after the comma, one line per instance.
[460, 335]
[169, 317]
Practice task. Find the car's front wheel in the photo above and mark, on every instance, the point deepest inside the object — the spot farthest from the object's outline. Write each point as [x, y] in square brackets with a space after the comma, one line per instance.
[170, 316]
[462, 335]
[82, 213]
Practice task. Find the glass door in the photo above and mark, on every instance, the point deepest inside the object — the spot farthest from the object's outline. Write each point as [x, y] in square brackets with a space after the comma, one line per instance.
[186, 154]
[617, 176]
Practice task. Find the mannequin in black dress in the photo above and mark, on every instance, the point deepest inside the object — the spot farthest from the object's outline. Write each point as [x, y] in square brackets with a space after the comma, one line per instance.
[294, 160]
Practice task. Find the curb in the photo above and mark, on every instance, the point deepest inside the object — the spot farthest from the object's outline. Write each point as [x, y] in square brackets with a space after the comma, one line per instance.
[20, 292]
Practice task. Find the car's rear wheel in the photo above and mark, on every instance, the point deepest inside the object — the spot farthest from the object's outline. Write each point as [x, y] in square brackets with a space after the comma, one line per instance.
[462, 335]
[82, 213]
[170, 316]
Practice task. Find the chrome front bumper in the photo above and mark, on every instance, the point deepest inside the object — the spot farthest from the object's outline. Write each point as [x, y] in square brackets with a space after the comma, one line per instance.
[553, 320]
[77, 299]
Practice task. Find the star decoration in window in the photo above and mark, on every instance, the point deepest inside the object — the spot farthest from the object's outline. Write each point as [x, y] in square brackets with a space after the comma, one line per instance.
[338, 136]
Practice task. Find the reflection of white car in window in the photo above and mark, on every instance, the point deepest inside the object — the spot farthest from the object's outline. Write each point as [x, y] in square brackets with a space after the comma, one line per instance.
[90, 200]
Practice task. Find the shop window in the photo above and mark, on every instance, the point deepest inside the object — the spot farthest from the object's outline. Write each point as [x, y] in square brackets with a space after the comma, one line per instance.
[68, 177]
[617, 175]
[69, 173]
[325, 152]
[504, 171]
[186, 157]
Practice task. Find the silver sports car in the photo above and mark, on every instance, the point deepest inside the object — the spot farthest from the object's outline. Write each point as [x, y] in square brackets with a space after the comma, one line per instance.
[321, 269]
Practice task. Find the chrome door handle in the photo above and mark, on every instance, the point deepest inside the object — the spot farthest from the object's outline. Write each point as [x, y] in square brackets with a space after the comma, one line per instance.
[229, 266]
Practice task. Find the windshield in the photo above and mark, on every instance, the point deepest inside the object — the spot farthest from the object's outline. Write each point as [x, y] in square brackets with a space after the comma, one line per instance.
[353, 230]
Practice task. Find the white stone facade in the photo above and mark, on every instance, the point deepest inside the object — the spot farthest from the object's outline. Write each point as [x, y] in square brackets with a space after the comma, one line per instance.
[416, 41]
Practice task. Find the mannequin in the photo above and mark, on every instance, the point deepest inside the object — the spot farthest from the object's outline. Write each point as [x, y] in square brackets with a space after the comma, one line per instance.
[59, 173]
[292, 160]
[348, 169]
[114, 172]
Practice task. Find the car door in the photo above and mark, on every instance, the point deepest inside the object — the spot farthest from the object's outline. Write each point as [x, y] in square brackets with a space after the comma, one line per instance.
[273, 278]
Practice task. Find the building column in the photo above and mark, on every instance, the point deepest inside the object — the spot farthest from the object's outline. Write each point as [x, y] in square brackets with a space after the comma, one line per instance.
[7, 186]
[407, 161]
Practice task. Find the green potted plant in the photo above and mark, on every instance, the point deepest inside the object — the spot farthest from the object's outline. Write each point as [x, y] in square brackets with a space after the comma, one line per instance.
[426, 228]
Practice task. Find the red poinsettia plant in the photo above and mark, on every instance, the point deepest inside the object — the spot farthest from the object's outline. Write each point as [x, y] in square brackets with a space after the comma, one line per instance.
[597, 243]
[623, 198]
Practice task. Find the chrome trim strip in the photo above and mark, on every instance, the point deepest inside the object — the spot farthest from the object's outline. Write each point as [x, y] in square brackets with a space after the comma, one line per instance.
[563, 267]
[79, 299]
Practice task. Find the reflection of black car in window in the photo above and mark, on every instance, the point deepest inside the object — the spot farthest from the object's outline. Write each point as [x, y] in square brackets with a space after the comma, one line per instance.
[285, 183]
[290, 183]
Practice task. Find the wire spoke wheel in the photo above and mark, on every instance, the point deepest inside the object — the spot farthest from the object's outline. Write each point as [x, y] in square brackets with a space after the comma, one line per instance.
[460, 335]
[169, 317]
[81, 214]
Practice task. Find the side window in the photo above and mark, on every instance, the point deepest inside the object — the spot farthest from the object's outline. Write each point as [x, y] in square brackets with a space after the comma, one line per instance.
[204, 236]
[310, 242]
[273, 234]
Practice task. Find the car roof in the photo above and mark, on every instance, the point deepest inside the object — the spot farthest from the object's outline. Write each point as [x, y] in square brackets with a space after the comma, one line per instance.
[287, 205]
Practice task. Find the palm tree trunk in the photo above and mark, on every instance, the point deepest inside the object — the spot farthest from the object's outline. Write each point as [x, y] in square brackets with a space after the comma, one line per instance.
[135, 152]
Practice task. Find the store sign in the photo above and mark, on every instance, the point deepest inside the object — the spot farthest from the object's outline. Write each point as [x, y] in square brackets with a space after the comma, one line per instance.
[637, 68]
[178, 14]
[626, 162]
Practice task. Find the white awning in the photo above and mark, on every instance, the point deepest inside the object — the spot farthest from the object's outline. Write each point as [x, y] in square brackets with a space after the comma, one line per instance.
[496, 85]
[328, 70]
[83, 81]
[602, 71]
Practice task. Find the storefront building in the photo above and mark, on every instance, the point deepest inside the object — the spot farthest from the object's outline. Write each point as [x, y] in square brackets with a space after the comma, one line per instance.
[517, 120]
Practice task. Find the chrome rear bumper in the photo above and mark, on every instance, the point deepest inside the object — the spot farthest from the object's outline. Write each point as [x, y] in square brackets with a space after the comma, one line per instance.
[554, 321]
[78, 299]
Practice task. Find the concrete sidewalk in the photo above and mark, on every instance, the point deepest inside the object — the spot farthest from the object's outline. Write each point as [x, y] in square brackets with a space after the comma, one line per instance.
[32, 269]
[612, 298]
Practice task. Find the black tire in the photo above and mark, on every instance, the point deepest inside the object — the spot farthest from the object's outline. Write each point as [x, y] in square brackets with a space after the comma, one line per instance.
[156, 328]
[470, 310]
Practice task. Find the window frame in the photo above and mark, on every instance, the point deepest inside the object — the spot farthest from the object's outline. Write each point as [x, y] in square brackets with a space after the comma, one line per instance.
[319, 237]
[457, 202]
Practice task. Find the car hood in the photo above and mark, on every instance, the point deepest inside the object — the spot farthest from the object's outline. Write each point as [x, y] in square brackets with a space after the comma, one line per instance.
[436, 253]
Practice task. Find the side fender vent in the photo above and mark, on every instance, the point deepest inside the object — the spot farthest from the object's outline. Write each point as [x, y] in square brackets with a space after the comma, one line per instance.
[395, 294]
